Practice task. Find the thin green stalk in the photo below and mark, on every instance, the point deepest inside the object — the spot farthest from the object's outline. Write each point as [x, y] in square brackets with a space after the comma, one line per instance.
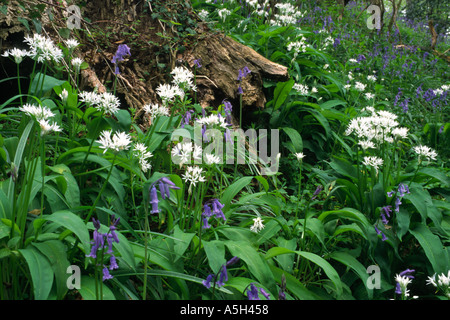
[101, 191]
[42, 142]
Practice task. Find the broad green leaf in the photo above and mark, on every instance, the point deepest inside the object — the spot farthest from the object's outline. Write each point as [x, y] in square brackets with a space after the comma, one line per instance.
[325, 265]
[256, 264]
[41, 272]
[293, 285]
[295, 138]
[55, 252]
[281, 92]
[88, 291]
[232, 190]
[351, 262]
[432, 246]
[181, 246]
[42, 83]
[74, 223]
[215, 252]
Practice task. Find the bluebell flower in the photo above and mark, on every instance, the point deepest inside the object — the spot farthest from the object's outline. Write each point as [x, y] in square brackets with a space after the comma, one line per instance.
[197, 63]
[154, 200]
[397, 204]
[113, 263]
[403, 189]
[122, 50]
[106, 274]
[223, 276]
[208, 280]
[232, 261]
[252, 293]
[386, 212]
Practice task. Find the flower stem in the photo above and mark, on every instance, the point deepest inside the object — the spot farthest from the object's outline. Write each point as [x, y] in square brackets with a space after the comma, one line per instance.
[101, 191]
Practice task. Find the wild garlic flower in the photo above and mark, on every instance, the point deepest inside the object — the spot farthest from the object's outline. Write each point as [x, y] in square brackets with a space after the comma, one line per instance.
[72, 44]
[442, 283]
[38, 112]
[46, 127]
[211, 159]
[401, 132]
[360, 86]
[301, 88]
[155, 110]
[298, 46]
[168, 92]
[76, 62]
[89, 98]
[212, 120]
[366, 144]
[371, 78]
[403, 283]
[299, 156]
[369, 96]
[17, 54]
[372, 161]
[425, 152]
[352, 60]
[287, 15]
[140, 151]
[193, 175]
[182, 77]
[117, 142]
[257, 225]
[42, 115]
[223, 13]
[43, 49]
[64, 95]
[108, 103]
[203, 14]
[184, 152]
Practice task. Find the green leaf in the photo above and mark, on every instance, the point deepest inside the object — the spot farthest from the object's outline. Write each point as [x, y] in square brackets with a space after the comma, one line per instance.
[43, 83]
[55, 252]
[325, 265]
[256, 264]
[295, 137]
[215, 252]
[74, 223]
[351, 262]
[41, 272]
[432, 246]
[87, 289]
[293, 285]
[281, 92]
[183, 243]
[232, 190]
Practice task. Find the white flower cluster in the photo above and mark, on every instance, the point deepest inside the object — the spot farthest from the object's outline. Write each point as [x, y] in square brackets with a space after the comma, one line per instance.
[223, 13]
[183, 152]
[425, 152]
[442, 282]
[375, 129]
[43, 49]
[303, 89]
[41, 114]
[193, 175]
[257, 225]
[117, 141]
[183, 77]
[403, 281]
[17, 54]
[212, 120]
[441, 90]
[140, 151]
[106, 102]
[298, 46]
[287, 15]
[155, 110]
[373, 161]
